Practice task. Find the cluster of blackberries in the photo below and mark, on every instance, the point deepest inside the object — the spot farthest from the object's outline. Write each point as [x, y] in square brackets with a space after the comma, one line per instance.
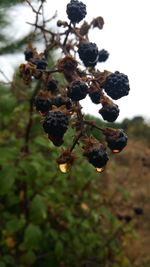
[57, 105]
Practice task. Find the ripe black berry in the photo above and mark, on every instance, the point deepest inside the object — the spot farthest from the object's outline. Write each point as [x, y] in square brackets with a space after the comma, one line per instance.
[76, 11]
[60, 101]
[52, 86]
[95, 96]
[88, 53]
[77, 90]
[109, 112]
[42, 105]
[117, 85]
[103, 55]
[96, 154]
[56, 124]
[40, 63]
[138, 211]
[127, 218]
[117, 141]
[28, 54]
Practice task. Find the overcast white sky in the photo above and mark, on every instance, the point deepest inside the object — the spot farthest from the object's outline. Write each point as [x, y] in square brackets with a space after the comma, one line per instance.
[126, 37]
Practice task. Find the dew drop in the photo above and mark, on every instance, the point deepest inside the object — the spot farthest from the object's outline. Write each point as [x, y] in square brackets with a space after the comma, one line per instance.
[115, 150]
[64, 167]
[100, 169]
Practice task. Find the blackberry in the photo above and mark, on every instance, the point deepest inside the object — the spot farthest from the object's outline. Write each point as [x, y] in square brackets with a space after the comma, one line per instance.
[60, 101]
[138, 211]
[56, 124]
[76, 11]
[88, 53]
[28, 54]
[96, 154]
[95, 96]
[109, 112]
[40, 63]
[56, 140]
[117, 85]
[52, 86]
[127, 218]
[42, 105]
[77, 90]
[103, 55]
[117, 141]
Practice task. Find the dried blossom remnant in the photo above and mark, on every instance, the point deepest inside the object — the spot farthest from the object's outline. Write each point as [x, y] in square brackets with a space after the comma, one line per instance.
[98, 23]
[68, 66]
[66, 160]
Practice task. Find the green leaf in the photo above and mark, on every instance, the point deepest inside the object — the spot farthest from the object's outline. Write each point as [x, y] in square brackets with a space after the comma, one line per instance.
[7, 178]
[38, 209]
[59, 249]
[15, 224]
[2, 264]
[33, 237]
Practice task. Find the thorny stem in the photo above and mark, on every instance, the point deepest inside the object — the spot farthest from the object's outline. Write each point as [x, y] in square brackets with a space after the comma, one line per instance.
[66, 38]
[76, 141]
[30, 120]
[92, 124]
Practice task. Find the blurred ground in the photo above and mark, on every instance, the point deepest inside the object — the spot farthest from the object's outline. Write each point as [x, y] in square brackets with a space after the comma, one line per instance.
[127, 180]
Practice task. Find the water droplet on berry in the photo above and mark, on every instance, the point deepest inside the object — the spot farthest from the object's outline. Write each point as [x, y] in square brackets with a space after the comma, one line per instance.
[64, 167]
[115, 150]
[100, 169]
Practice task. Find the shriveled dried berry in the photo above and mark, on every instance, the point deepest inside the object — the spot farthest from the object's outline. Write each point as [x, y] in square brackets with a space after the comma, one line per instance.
[76, 11]
[117, 85]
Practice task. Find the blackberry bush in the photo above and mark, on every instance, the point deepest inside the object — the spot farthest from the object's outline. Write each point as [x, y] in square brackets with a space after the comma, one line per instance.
[59, 102]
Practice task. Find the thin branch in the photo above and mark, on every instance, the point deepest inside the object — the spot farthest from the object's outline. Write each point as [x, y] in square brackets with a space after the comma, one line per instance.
[30, 120]
[33, 9]
[4, 75]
